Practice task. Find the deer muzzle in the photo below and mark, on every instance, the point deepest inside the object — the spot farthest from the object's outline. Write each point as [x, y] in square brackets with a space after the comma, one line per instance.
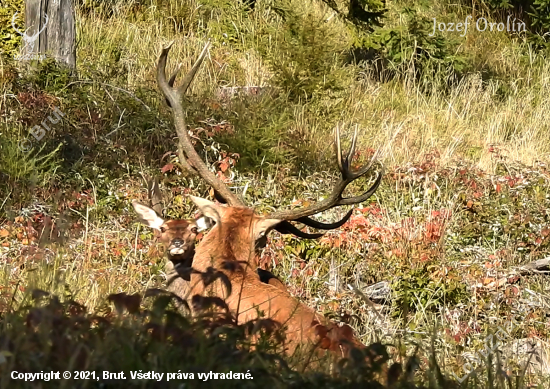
[177, 247]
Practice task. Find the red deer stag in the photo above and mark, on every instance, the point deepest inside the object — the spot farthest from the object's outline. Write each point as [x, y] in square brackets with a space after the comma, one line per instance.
[229, 247]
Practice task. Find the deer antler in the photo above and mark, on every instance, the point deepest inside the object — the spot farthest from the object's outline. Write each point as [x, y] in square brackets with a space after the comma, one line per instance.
[192, 161]
[335, 199]
[186, 152]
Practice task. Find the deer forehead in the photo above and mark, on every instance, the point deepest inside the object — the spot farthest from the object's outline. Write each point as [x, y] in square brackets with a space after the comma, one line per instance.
[241, 220]
[240, 215]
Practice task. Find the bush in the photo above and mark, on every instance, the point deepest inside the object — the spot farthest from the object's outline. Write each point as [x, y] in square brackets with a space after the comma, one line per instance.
[307, 58]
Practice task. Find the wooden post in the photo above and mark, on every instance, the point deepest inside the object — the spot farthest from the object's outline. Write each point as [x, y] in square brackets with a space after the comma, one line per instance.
[50, 31]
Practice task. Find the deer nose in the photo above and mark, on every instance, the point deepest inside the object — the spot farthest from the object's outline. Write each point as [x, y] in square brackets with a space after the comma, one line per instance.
[177, 247]
[177, 242]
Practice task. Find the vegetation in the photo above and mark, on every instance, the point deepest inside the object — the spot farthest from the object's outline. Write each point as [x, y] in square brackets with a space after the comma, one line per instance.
[461, 123]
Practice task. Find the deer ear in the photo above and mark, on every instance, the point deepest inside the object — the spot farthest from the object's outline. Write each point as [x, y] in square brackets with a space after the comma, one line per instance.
[204, 223]
[148, 216]
[208, 208]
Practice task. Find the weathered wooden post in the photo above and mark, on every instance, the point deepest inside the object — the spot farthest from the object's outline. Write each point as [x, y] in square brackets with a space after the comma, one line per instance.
[50, 31]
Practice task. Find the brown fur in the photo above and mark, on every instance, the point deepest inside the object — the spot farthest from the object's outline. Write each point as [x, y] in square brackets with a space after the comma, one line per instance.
[178, 267]
[228, 248]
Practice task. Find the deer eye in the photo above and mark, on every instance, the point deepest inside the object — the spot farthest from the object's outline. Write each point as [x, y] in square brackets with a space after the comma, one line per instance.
[194, 230]
[163, 229]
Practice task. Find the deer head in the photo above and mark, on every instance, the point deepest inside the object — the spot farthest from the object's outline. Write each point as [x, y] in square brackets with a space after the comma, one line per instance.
[177, 236]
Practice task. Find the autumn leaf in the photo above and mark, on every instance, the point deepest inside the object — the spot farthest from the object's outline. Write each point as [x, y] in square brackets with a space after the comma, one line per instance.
[4, 233]
[167, 168]
[224, 166]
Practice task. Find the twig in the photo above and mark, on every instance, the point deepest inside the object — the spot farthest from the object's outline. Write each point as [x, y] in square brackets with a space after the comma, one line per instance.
[535, 266]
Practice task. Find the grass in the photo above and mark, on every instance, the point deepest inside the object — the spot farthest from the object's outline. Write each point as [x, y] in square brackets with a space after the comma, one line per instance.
[464, 201]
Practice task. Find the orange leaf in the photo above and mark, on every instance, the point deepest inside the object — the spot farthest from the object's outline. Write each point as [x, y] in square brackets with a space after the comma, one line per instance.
[224, 166]
[167, 168]
[4, 233]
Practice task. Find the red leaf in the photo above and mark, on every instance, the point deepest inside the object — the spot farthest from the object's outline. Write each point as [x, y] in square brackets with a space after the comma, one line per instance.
[167, 168]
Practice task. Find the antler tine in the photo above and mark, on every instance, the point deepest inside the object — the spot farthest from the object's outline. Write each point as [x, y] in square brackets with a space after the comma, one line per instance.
[286, 227]
[174, 96]
[155, 196]
[188, 79]
[335, 198]
[325, 226]
[351, 150]
[161, 72]
[173, 78]
[339, 151]
[367, 194]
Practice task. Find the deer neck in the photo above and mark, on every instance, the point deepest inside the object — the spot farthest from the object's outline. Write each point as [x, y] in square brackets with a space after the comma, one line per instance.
[224, 244]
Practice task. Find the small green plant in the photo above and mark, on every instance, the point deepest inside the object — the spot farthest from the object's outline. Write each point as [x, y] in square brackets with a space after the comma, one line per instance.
[49, 75]
[33, 168]
[306, 60]
[420, 290]
[410, 47]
